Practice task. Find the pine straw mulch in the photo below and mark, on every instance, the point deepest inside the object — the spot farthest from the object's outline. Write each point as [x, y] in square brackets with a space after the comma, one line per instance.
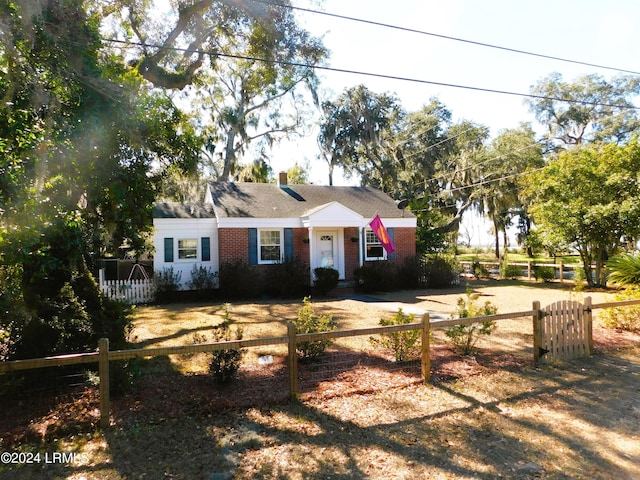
[160, 396]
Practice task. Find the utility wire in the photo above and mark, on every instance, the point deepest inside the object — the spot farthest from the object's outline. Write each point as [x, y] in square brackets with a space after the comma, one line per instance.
[369, 74]
[446, 37]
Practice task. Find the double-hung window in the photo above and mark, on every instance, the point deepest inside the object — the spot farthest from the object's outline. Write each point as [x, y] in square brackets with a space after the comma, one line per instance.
[269, 246]
[373, 248]
[188, 249]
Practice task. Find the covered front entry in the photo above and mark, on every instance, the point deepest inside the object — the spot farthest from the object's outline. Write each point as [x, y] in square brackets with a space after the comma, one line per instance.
[327, 249]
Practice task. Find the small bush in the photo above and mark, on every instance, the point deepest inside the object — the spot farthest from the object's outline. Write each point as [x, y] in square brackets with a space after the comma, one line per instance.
[623, 318]
[478, 270]
[166, 283]
[203, 279]
[308, 322]
[404, 345]
[374, 277]
[410, 273]
[288, 279]
[225, 363]
[441, 272]
[509, 271]
[238, 279]
[546, 274]
[579, 279]
[325, 279]
[464, 337]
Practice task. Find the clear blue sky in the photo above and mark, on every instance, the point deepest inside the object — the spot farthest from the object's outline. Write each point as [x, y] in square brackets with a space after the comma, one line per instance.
[591, 31]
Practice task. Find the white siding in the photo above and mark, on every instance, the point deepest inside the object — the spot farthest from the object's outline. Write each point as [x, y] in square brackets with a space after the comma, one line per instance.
[182, 229]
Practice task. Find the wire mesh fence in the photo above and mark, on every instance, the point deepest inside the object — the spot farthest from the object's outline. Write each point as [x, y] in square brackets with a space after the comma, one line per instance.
[42, 398]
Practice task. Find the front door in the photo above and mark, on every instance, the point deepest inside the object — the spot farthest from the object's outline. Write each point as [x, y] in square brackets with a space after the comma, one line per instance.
[327, 251]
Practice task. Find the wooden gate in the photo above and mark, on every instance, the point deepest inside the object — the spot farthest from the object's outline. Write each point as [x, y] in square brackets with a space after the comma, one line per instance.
[562, 331]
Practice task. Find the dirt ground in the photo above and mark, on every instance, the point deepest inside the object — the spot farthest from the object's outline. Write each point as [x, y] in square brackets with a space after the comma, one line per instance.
[491, 415]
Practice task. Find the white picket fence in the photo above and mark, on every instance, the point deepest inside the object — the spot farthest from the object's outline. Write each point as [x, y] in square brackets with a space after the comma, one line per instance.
[128, 291]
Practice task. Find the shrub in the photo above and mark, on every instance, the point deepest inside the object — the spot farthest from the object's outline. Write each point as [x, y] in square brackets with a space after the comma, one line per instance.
[464, 337]
[166, 283]
[546, 274]
[441, 272]
[203, 279]
[225, 364]
[478, 270]
[374, 277]
[623, 318]
[308, 322]
[325, 279]
[579, 279]
[410, 274]
[288, 279]
[238, 279]
[509, 271]
[404, 345]
[624, 270]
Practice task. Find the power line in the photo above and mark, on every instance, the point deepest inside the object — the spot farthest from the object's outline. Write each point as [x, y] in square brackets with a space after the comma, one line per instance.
[446, 37]
[369, 74]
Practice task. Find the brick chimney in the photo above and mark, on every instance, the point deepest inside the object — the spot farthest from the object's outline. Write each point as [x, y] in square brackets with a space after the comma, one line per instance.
[282, 179]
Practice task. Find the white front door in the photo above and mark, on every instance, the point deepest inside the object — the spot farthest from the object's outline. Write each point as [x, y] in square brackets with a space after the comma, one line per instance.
[327, 252]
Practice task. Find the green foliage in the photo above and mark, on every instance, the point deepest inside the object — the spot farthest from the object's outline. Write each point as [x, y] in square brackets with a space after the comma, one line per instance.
[623, 318]
[287, 279]
[325, 279]
[478, 270]
[308, 322]
[441, 271]
[374, 277]
[239, 280]
[404, 345]
[166, 283]
[203, 279]
[465, 337]
[624, 270]
[578, 279]
[589, 199]
[546, 274]
[509, 271]
[225, 364]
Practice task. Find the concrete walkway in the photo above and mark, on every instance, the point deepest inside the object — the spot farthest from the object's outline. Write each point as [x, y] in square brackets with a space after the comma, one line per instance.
[394, 306]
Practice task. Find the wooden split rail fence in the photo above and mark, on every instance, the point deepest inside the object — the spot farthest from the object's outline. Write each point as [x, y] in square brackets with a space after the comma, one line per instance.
[561, 331]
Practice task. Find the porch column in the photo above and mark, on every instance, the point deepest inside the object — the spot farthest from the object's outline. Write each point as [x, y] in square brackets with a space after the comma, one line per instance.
[311, 256]
[361, 244]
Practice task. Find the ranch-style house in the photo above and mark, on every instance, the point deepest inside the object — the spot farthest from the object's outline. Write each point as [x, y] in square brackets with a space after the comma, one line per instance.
[267, 223]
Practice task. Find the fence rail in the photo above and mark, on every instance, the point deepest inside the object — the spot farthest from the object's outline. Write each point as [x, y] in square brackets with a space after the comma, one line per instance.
[104, 356]
[562, 271]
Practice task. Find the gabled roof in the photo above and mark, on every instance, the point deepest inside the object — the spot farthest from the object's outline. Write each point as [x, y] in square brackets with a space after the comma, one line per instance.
[269, 200]
[182, 210]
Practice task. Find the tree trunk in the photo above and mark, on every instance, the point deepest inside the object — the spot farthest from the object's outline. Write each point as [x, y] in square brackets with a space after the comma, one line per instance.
[496, 231]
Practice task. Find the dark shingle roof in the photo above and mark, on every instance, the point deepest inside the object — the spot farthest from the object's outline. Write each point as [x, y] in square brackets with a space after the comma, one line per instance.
[268, 200]
[182, 210]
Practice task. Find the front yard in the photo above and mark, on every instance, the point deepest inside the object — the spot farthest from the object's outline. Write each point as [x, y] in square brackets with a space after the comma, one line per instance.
[487, 416]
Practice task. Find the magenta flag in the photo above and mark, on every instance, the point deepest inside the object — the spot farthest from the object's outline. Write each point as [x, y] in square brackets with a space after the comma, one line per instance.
[381, 232]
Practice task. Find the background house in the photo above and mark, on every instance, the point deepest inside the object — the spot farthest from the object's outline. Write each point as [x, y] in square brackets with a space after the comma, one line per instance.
[267, 223]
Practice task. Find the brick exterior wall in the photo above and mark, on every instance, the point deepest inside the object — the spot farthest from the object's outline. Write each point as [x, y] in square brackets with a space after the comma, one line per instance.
[233, 244]
[405, 242]
[300, 248]
[351, 260]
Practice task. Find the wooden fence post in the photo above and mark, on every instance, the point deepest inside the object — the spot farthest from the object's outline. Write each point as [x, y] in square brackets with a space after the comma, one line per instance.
[561, 271]
[529, 269]
[293, 362]
[537, 331]
[588, 312]
[103, 369]
[426, 353]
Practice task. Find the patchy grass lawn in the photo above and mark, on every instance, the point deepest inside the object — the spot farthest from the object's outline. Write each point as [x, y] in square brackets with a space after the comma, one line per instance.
[490, 416]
